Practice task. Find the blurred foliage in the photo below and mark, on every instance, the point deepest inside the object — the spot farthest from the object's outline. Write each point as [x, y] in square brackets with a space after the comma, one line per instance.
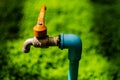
[95, 21]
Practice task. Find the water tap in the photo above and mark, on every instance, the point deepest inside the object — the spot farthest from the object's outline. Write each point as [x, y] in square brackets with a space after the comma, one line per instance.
[40, 39]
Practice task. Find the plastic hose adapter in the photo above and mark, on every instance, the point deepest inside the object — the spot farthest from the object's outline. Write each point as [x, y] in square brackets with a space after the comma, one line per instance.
[73, 43]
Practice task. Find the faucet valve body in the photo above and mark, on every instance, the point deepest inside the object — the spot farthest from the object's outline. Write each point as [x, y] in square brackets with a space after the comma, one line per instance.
[45, 42]
[40, 42]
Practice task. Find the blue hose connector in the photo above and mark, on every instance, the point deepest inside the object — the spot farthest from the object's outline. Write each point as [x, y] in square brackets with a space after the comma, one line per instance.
[74, 44]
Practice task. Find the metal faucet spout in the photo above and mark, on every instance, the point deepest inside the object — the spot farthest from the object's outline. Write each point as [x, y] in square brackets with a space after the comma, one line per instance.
[27, 44]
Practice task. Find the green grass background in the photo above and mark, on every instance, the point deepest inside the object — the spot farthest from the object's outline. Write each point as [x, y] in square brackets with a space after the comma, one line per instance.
[96, 22]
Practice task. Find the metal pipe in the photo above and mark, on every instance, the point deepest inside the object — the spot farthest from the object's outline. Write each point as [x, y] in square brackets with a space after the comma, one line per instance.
[74, 44]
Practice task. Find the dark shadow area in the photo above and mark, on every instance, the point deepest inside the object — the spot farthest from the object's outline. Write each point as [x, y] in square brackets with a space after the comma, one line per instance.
[102, 2]
[107, 28]
[10, 17]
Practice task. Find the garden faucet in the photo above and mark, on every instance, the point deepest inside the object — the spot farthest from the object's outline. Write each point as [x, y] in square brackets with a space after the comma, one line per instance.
[64, 41]
[40, 39]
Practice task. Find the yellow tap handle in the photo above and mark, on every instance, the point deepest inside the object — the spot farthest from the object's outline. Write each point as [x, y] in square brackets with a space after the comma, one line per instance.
[40, 29]
[41, 16]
